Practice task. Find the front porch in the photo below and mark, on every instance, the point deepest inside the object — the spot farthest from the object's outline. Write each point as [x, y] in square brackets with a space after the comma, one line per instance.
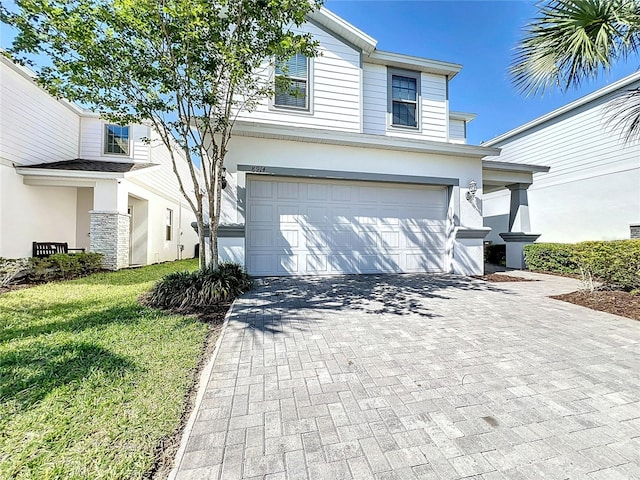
[101, 215]
[516, 178]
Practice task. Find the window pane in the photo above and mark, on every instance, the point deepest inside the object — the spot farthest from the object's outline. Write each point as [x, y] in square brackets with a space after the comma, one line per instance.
[294, 96]
[117, 140]
[404, 114]
[403, 88]
[296, 66]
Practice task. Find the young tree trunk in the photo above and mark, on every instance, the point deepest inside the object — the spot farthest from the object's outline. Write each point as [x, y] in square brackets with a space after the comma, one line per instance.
[202, 249]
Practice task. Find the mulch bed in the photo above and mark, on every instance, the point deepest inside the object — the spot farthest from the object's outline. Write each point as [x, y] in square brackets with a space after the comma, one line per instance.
[613, 301]
[494, 277]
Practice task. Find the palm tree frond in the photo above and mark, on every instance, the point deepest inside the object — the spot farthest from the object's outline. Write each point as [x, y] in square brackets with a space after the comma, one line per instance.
[572, 40]
[624, 115]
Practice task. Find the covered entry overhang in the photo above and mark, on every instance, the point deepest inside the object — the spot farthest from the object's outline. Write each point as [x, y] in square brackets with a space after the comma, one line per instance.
[102, 210]
[515, 177]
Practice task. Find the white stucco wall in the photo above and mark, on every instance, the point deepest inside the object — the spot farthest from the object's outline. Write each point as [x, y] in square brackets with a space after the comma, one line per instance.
[592, 191]
[33, 214]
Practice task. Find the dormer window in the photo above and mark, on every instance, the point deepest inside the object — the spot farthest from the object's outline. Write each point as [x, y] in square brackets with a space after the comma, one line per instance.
[116, 140]
[404, 92]
[294, 74]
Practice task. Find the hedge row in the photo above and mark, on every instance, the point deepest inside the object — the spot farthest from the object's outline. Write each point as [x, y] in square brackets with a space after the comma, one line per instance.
[614, 263]
[61, 266]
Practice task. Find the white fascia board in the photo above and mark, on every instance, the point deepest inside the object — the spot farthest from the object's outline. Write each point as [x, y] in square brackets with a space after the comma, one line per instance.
[513, 167]
[620, 84]
[58, 173]
[414, 63]
[466, 117]
[348, 139]
[343, 29]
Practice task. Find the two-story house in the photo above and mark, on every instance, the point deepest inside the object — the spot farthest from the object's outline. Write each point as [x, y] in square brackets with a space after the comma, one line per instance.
[68, 176]
[361, 167]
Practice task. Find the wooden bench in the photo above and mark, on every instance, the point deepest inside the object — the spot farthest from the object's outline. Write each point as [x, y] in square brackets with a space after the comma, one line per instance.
[44, 249]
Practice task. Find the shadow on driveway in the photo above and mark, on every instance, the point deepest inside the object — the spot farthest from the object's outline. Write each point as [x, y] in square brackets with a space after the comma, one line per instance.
[394, 294]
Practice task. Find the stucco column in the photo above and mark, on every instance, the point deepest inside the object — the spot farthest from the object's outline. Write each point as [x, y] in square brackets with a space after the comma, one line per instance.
[110, 223]
[519, 226]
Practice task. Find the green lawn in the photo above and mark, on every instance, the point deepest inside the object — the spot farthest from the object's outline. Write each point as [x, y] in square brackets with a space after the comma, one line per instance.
[89, 379]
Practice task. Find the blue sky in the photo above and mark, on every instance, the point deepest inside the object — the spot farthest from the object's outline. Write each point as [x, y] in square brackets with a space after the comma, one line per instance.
[481, 36]
[478, 34]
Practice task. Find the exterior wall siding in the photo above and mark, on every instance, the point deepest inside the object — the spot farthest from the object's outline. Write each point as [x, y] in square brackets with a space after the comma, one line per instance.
[34, 127]
[433, 105]
[92, 142]
[335, 89]
[457, 131]
[592, 190]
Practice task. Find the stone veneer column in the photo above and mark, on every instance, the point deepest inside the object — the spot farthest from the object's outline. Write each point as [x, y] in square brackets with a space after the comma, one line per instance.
[110, 236]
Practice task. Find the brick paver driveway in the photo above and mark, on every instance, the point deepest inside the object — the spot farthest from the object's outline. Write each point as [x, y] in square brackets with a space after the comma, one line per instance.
[417, 376]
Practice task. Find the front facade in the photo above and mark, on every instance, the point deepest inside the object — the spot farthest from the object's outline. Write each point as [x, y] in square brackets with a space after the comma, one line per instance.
[360, 167]
[592, 191]
[68, 176]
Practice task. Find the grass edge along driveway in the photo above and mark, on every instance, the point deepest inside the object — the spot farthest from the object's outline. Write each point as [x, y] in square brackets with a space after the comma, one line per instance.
[89, 379]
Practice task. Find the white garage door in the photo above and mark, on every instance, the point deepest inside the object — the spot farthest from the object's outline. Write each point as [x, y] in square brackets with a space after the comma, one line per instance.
[318, 227]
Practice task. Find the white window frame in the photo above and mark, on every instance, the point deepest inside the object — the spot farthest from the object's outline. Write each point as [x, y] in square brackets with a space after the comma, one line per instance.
[105, 139]
[307, 109]
[394, 72]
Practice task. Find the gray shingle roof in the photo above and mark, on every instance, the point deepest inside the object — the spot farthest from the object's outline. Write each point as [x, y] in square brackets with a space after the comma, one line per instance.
[82, 165]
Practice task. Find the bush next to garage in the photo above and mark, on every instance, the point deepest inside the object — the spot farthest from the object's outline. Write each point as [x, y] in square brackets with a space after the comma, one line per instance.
[186, 291]
[616, 264]
[551, 257]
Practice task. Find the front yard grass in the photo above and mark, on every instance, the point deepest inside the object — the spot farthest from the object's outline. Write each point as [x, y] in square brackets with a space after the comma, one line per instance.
[90, 380]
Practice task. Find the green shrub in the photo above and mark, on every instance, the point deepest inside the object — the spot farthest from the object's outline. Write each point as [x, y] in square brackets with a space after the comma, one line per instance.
[201, 288]
[64, 266]
[615, 263]
[551, 257]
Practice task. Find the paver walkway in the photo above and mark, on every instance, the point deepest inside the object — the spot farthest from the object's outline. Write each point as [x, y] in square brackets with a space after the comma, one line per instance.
[418, 376]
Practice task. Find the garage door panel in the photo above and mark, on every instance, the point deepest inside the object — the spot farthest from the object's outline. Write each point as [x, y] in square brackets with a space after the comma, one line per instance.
[310, 226]
[341, 193]
[288, 213]
[288, 238]
[261, 189]
[316, 264]
[341, 215]
[261, 238]
[317, 192]
[341, 262]
[390, 240]
[261, 214]
[260, 264]
[288, 190]
[288, 264]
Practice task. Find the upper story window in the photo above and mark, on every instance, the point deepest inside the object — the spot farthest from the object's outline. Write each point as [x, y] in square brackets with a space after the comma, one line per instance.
[116, 140]
[295, 94]
[404, 92]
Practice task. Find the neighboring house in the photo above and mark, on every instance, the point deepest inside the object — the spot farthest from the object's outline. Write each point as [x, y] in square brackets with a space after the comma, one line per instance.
[362, 169]
[68, 176]
[592, 191]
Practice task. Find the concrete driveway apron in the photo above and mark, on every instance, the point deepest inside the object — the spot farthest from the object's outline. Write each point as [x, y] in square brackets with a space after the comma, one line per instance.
[417, 376]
